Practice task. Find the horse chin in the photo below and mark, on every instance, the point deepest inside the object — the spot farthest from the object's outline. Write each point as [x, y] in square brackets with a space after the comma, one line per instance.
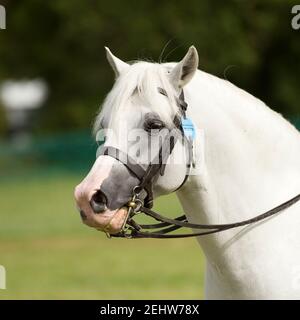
[116, 223]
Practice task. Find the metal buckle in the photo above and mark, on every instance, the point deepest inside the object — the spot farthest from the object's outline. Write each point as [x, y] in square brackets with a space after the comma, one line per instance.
[134, 206]
[126, 231]
[136, 191]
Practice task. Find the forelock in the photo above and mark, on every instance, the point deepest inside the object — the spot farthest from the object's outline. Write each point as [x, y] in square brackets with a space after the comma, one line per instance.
[144, 79]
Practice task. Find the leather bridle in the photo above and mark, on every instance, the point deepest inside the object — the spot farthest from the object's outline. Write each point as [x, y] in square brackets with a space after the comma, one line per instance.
[162, 229]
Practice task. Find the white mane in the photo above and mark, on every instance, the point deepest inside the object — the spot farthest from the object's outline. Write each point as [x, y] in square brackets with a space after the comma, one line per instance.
[142, 79]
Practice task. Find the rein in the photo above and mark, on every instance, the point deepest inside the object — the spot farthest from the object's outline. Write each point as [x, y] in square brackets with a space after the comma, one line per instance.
[135, 230]
[162, 229]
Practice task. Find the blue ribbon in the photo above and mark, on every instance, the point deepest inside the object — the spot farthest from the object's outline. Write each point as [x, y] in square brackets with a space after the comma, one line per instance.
[188, 128]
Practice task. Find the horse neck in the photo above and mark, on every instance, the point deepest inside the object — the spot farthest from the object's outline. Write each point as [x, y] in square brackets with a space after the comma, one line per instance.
[251, 157]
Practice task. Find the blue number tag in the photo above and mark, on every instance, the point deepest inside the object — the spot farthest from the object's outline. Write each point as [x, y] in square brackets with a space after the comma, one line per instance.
[188, 128]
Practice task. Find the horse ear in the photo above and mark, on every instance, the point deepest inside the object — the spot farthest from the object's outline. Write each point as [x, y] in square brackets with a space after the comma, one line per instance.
[184, 71]
[117, 65]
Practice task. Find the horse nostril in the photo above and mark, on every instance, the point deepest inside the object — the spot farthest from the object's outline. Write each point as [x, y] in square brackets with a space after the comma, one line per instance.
[97, 207]
[98, 202]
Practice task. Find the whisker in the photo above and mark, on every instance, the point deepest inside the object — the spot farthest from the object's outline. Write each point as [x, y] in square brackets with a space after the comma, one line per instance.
[163, 50]
[173, 51]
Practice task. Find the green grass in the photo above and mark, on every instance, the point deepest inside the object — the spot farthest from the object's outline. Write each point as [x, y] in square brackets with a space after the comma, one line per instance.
[49, 254]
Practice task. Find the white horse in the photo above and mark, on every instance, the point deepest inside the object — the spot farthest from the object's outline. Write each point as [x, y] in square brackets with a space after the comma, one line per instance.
[250, 164]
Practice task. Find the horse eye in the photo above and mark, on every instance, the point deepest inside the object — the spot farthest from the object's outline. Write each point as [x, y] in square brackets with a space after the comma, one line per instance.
[153, 124]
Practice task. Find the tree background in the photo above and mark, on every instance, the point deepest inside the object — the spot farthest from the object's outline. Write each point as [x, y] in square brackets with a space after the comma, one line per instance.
[251, 43]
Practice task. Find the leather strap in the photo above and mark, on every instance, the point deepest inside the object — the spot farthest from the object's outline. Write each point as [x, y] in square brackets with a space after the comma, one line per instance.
[124, 158]
[174, 224]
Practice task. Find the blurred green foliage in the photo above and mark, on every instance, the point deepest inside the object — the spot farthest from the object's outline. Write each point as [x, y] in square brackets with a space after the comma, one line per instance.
[251, 43]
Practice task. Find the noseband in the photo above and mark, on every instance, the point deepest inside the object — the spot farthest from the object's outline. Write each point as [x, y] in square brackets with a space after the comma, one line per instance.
[162, 229]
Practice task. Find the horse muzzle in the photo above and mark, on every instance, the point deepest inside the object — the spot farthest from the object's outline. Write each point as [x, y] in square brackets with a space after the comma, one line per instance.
[110, 222]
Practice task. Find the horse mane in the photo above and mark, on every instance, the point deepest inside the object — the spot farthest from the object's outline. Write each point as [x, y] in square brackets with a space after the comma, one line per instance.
[142, 79]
